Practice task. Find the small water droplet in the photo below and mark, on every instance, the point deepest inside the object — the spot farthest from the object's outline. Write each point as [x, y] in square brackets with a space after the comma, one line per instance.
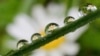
[36, 36]
[51, 27]
[69, 19]
[86, 9]
[22, 43]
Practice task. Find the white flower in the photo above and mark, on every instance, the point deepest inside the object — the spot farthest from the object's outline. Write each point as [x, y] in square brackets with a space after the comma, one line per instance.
[24, 26]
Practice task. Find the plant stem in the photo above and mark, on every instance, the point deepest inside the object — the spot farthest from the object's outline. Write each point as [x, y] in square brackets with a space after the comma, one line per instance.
[57, 33]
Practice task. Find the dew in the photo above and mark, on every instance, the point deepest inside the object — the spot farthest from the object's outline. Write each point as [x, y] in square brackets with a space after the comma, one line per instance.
[22, 43]
[69, 19]
[86, 9]
[36, 36]
[51, 27]
[91, 7]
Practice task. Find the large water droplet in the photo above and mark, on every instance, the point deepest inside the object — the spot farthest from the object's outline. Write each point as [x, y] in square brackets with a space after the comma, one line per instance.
[69, 19]
[51, 27]
[86, 9]
[22, 43]
[35, 36]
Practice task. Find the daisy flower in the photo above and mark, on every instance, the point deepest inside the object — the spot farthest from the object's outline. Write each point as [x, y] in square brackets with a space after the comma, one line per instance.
[24, 26]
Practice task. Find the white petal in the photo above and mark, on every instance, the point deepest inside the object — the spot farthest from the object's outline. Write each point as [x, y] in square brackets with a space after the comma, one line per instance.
[56, 20]
[39, 13]
[43, 18]
[56, 9]
[74, 12]
[69, 48]
[21, 28]
[56, 13]
[54, 53]
[39, 52]
[11, 44]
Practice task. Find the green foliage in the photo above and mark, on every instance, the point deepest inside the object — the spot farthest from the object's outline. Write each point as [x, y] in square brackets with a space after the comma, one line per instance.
[90, 40]
[8, 9]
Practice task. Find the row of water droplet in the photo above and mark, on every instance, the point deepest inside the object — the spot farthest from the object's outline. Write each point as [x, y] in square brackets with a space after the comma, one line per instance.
[83, 11]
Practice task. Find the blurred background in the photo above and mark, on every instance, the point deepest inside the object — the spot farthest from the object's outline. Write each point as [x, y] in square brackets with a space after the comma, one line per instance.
[39, 12]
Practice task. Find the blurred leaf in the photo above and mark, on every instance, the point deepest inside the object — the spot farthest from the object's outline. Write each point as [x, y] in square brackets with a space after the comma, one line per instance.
[7, 11]
[4, 45]
[90, 40]
[26, 6]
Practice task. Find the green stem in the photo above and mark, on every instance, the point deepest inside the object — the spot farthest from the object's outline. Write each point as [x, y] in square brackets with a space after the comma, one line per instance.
[57, 33]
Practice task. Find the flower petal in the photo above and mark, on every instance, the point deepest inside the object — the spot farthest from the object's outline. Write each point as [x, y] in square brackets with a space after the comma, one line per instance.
[41, 15]
[55, 9]
[39, 52]
[69, 49]
[55, 52]
[74, 12]
[21, 28]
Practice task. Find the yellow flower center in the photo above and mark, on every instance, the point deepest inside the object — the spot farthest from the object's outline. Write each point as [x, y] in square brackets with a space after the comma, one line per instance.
[54, 44]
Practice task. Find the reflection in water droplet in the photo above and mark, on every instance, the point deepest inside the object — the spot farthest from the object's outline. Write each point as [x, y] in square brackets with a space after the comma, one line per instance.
[86, 9]
[22, 43]
[50, 27]
[69, 19]
[36, 36]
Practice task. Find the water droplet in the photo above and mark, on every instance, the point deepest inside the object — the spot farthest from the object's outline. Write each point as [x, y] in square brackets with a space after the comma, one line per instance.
[51, 27]
[22, 43]
[90, 7]
[86, 9]
[69, 19]
[36, 36]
